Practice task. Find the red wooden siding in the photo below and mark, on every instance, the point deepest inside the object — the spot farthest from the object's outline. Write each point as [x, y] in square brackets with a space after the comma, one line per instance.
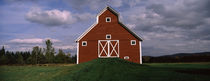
[90, 52]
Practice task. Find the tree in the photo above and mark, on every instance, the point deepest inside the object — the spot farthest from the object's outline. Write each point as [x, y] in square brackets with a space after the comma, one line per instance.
[26, 55]
[2, 51]
[11, 57]
[34, 55]
[3, 57]
[20, 59]
[60, 57]
[41, 57]
[146, 58]
[74, 58]
[49, 52]
[37, 56]
[68, 58]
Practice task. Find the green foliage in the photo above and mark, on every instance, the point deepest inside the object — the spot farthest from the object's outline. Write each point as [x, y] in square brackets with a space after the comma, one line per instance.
[60, 57]
[36, 56]
[20, 59]
[2, 51]
[74, 59]
[50, 51]
[146, 58]
[4, 59]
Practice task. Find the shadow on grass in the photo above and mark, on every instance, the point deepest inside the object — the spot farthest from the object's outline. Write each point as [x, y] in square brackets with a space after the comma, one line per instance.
[195, 71]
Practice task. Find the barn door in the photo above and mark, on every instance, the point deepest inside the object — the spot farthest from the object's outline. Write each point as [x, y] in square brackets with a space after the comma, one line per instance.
[108, 48]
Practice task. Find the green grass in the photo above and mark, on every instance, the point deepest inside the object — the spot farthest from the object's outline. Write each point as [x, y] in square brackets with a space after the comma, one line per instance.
[109, 70]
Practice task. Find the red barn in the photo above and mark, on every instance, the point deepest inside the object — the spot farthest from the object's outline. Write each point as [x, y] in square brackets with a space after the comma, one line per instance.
[109, 38]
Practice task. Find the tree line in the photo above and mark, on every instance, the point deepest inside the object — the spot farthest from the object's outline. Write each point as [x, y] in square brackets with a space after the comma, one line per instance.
[36, 56]
[181, 57]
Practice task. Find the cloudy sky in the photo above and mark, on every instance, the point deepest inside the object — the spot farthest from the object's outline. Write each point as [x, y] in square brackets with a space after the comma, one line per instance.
[167, 26]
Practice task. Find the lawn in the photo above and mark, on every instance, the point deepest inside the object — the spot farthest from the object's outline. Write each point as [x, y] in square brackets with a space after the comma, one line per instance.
[108, 70]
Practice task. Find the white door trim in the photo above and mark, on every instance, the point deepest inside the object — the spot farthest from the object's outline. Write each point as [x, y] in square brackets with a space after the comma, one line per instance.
[109, 51]
[140, 49]
[77, 52]
[103, 49]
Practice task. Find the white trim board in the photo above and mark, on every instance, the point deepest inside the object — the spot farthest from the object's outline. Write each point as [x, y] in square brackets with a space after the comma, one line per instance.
[77, 52]
[140, 49]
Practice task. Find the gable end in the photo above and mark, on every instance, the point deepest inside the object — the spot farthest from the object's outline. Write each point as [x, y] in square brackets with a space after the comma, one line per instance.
[115, 13]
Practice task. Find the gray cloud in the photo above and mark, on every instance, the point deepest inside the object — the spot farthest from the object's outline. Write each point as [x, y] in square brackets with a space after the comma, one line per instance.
[172, 26]
[167, 26]
[55, 17]
[50, 17]
[28, 44]
[93, 4]
[32, 40]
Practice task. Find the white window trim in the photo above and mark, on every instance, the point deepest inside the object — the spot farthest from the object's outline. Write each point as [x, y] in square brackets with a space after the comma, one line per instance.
[126, 57]
[132, 41]
[108, 35]
[109, 19]
[84, 42]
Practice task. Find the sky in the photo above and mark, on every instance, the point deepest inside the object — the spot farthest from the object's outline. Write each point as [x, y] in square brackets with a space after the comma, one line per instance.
[166, 26]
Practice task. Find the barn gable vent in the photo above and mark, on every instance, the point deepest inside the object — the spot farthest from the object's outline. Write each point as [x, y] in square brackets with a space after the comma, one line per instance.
[108, 19]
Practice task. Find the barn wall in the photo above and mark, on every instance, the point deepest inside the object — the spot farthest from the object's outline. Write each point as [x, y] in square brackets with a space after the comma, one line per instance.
[90, 52]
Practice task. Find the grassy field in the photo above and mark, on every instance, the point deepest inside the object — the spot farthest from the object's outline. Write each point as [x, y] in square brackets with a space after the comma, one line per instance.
[108, 70]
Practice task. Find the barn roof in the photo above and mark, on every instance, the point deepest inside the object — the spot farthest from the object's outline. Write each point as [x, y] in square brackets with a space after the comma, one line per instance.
[117, 14]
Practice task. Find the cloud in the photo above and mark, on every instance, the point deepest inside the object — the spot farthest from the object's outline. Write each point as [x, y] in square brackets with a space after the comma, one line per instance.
[28, 44]
[65, 47]
[32, 40]
[93, 4]
[55, 17]
[84, 16]
[183, 14]
[169, 27]
[5, 46]
[132, 3]
[20, 1]
[131, 26]
[52, 40]
[50, 17]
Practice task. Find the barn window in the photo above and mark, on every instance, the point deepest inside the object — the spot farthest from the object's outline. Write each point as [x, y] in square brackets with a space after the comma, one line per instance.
[84, 43]
[126, 57]
[108, 36]
[133, 42]
[108, 19]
